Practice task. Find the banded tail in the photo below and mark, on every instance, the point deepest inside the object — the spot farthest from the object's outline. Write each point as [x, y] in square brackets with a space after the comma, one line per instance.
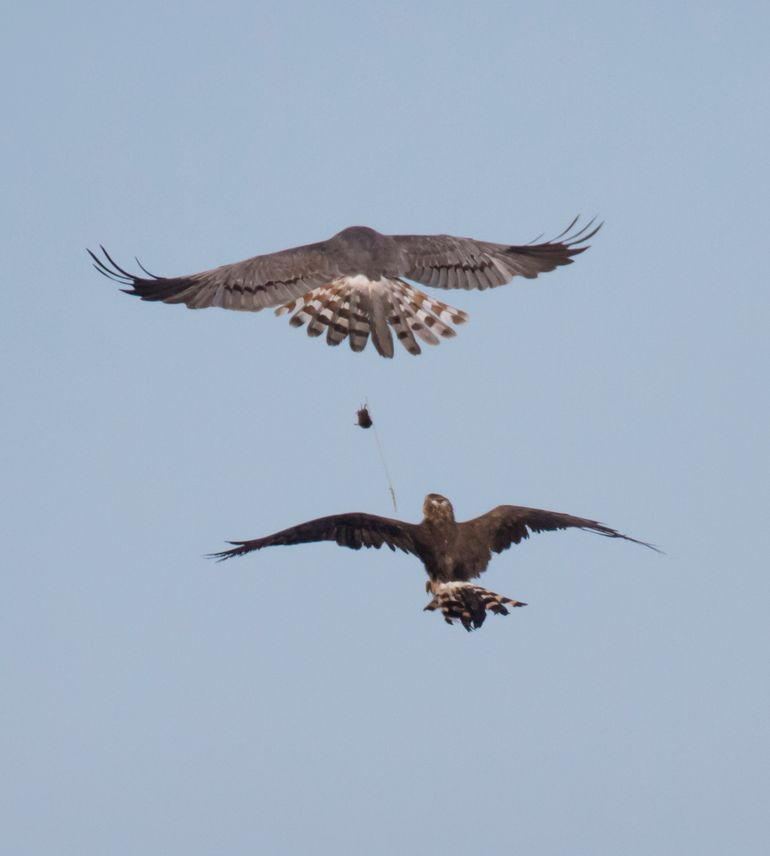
[468, 603]
[357, 307]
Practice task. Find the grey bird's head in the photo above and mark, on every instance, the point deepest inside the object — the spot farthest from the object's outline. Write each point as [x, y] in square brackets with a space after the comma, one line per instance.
[438, 508]
[361, 250]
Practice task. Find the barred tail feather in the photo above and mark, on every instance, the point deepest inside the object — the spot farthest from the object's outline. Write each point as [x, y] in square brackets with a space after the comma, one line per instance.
[357, 322]
[377, 303]
[337, 331]
[399, 321]
[467, 603]
[426, 315]
[357, 308]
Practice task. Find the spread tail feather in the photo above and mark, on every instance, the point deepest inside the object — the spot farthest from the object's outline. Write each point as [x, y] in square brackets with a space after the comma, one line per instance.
[357, 307]
[468, 603]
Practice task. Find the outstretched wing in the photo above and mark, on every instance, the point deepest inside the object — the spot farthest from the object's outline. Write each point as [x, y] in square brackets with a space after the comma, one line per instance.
[443, 261]
[510, 524]
[348, 530]
[250, 285]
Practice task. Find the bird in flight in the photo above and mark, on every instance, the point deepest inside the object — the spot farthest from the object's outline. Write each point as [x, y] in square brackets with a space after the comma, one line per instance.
[452, 552]
[351, 286]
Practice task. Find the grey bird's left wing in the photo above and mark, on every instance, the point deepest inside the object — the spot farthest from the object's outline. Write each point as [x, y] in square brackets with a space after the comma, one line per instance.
[444, 261]
[354, 530]
[250, 285]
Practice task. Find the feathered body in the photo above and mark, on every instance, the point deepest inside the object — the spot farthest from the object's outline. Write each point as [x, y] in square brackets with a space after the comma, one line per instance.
[352, 285]
[453, 553]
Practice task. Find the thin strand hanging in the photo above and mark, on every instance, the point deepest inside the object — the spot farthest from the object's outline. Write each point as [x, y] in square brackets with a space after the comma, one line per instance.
[364, 420]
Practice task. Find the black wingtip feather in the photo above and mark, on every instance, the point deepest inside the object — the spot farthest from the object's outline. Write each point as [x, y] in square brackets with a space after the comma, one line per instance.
[236, 550]
[116, 275]
[151, 275]
[611, 533]
[570, 239]
[568, 229]
[108, 267]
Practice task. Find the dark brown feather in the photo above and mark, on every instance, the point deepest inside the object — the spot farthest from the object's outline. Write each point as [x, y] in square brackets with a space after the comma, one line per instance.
[510, 524]
[448, 550]
[348, 530]
[452, 553]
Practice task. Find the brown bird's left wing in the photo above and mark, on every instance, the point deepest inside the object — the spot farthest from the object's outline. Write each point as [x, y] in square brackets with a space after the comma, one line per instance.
[444, 261]
[348, 530]
[505, 525]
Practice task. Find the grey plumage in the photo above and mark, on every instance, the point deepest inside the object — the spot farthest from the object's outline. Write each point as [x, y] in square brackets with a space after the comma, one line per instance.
[352, 286]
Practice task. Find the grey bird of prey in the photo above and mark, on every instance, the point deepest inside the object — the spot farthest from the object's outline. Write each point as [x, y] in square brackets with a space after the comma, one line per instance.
[352, 285]
[452, 552]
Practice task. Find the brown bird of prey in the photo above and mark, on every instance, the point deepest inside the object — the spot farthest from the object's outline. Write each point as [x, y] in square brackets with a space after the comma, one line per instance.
[453, 553]
[351, 285]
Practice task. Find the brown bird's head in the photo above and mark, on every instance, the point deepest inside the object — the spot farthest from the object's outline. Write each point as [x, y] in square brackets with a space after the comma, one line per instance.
[438, 508]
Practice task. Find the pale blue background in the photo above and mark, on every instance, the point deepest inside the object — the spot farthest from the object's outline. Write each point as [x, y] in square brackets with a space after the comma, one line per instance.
[299, 700]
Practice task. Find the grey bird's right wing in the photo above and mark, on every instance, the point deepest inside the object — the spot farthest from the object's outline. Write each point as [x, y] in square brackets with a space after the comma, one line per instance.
[444, 261]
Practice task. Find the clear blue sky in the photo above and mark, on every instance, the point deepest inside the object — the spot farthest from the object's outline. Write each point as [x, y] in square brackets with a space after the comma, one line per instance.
[299, 700]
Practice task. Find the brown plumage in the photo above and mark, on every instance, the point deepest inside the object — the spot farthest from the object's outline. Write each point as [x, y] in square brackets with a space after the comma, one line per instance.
[351, 286]
[452, 552]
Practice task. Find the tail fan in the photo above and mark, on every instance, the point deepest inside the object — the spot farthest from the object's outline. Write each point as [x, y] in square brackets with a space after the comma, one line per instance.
[467, 603]
[356, 307]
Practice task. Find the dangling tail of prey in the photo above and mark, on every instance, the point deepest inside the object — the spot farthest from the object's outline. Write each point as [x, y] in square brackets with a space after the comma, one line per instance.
[365, 421]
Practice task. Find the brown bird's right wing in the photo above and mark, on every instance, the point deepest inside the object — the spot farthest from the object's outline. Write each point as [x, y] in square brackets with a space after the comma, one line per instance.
[505, 525]
[250, 285]
[348, 530]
